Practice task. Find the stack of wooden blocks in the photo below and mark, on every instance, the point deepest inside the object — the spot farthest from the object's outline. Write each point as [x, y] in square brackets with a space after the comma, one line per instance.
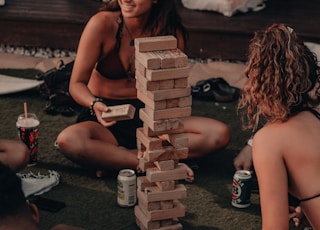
[162, 84]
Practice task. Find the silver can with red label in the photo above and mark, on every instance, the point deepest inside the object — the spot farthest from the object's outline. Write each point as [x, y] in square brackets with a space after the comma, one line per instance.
[127, 188]
[241, 189]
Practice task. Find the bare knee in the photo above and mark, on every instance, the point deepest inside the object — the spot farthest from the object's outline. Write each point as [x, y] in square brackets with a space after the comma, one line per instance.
[67, 143]
[223, 136]
[15, 154]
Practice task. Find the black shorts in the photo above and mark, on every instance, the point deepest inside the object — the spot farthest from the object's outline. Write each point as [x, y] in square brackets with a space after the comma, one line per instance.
[123, 131]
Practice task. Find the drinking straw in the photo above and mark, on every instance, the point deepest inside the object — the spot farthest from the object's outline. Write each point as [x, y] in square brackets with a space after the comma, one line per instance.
[25, 111]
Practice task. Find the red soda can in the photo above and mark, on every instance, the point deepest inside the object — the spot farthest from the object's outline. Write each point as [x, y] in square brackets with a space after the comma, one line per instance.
[241, 189]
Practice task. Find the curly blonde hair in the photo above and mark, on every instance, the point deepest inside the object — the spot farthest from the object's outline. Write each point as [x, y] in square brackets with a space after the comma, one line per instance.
[283, 77]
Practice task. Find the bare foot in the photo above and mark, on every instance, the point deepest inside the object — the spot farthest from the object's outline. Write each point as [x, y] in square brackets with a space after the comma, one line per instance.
[190, 173]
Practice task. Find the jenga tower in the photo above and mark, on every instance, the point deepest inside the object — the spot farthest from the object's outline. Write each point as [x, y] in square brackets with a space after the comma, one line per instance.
[162, 84]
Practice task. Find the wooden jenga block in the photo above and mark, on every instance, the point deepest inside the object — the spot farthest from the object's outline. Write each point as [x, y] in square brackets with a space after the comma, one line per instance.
[143, 182]
[176, 128]
[179, 140]
[172, 103]
[151, 143]
[166, 204]
[162, 114]
[143, 222]
[151, 103]
[173, 58]
[185, 101]
[180, 83]
[180, 58]
[169, 222]
[167, 60]
[177, 226]
[166, 84]
[140, 69]
[155, 43]
[178, 210]
[149, 60]
[119, 112]
[165, 165]
[158, 95]
[144, 164]
[166, 185]
[164, 74]
[155, 194]
[179, 102]
[148, 85]
[145, 205]
[167, 153]
[154, 174]
[160, 125]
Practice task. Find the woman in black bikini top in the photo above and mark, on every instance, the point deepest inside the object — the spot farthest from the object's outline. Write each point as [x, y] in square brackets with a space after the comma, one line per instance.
[282, 95]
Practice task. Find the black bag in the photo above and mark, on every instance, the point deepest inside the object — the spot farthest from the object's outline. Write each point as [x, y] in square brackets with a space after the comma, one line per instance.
[55, 89]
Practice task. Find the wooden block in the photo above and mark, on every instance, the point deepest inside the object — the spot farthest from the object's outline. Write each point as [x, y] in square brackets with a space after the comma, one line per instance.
[180, 58]
[149, 132]
[151, 143]
[154, 125]
[164, 74]
[158, 95]
[179, 140]
[140, 69]
[143, 182]
[151, 103]
[149, 60]
[172, 103]
[154, 174]
[167, 113]
[155, 43]
[166, 84]
[144, 164]
[166, 185]
[155, 194]
[165, 165]
[169, 222]
[178, 210]
[180, 83]
[119, 112]
[143, 222]
[179, 102]
[166, 204]
[148, 85]
[177, 226]
[173, 58]
[166, 153]
[185, 101]
[145, 205]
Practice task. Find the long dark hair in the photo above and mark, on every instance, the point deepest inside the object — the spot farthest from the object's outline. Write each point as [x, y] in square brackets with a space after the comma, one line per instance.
[164, 18]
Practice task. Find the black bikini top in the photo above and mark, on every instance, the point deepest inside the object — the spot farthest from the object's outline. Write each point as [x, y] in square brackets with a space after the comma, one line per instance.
[111, 66]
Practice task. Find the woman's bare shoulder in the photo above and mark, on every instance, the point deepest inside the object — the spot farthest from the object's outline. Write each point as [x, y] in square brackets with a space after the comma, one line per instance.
[104, 20]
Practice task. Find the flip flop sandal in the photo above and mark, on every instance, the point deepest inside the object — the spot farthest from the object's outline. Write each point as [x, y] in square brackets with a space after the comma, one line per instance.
[216, 89]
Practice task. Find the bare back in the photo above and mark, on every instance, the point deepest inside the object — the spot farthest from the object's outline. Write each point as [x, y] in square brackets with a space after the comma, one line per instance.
[290, 151]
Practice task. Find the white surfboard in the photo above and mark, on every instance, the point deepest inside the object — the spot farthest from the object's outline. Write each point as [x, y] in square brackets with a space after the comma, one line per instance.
[10, 84]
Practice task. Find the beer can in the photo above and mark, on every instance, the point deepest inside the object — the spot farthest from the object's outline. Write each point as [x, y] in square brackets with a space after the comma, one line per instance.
[241, 189]
[127, 188]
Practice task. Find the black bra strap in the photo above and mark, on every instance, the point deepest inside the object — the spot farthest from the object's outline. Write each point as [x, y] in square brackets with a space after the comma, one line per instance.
[118, 35]
[310, 198]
